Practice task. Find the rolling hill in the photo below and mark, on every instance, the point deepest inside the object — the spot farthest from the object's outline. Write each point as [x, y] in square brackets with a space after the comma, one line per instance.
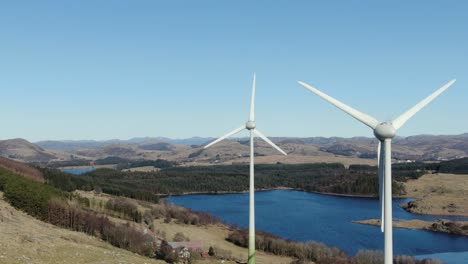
[21, 149]
[357, 150]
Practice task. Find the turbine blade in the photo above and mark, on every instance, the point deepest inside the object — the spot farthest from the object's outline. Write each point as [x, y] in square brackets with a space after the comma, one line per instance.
[401, 120]
[258, 133]
[364, 118]
[252, 101]
[237, 130]
[381, 168]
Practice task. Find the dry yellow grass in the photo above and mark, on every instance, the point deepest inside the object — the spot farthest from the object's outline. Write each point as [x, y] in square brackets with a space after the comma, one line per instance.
[232, 152]
[410, 224]
[24, 239]
[439, 194]
[143, 169]
[290, 159]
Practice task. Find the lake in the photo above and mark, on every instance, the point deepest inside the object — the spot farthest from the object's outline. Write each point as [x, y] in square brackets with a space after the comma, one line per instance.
[303, 216]
[78, 171]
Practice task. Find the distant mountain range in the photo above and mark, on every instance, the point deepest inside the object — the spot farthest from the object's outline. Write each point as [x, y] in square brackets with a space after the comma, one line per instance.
[73, 145]
[190, 152]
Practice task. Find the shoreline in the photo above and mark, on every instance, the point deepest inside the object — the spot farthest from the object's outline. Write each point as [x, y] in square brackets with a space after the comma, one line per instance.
[280, 188]
[402, 205]
[225, 192]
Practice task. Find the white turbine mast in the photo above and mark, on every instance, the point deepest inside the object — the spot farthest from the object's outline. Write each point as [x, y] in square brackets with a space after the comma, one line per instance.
[251, 127]
[384, 132]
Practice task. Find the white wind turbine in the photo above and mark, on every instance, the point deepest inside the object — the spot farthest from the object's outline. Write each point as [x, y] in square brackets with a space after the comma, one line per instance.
[384, 132]
[250, 125]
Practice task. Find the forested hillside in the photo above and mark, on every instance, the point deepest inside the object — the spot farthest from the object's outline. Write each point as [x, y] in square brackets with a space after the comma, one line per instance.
[321, 177]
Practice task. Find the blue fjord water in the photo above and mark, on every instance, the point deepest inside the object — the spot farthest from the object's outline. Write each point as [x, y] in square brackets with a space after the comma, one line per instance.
[303, 216]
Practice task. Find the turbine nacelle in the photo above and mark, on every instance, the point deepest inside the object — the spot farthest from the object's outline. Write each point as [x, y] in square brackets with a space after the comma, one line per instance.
[250, 125]
[384, 131]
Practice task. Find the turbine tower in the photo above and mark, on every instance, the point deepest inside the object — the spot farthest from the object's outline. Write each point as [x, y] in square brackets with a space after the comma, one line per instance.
[384, 132]
[250, 125]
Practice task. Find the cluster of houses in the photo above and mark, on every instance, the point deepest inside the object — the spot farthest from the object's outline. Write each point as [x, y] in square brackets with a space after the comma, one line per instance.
[183, 249]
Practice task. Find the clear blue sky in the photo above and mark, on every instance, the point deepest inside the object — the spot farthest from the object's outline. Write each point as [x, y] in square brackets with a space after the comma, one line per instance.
[122, 69]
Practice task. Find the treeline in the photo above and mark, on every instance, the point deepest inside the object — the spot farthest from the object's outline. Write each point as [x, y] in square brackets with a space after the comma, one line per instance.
[457, 166]
[159, 163]
[121, 163]
[183, 215]
[66, 163]
[106, 180]
[128, 163]
[314, 251]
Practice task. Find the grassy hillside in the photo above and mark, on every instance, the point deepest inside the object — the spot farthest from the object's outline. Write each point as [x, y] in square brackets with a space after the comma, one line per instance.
[24, 239]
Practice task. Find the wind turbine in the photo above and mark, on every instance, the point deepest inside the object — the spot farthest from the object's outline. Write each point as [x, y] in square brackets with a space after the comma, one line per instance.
[384, 132]
[250, 125]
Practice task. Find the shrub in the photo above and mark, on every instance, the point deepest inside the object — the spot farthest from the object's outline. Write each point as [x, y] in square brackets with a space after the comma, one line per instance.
[165, 253]
[211, 251]
[125, 207]
[368, 257]
[312, 251]
[179, 236]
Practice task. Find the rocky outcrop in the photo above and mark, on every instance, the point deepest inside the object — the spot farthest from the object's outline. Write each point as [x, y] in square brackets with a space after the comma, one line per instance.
[450, 227]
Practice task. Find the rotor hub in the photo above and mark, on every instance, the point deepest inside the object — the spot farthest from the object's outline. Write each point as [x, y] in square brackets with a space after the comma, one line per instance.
[384, 131]
[250, 125]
